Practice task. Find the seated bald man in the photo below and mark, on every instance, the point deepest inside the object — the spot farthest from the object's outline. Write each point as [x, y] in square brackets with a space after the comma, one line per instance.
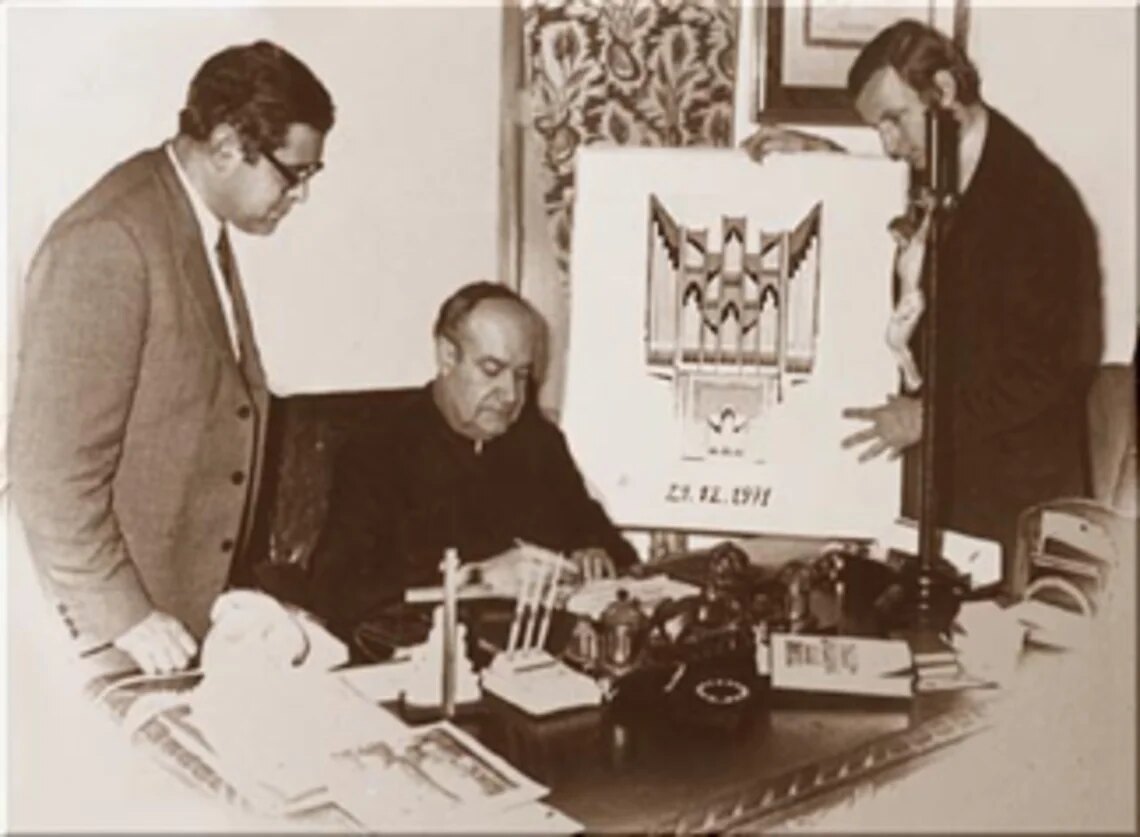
[470, 462]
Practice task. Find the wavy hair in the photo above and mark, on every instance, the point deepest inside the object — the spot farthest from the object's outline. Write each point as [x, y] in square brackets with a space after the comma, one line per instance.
[259, 89]
[916, 51]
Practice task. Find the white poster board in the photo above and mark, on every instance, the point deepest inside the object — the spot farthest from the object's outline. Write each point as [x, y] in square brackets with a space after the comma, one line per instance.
[675, 430]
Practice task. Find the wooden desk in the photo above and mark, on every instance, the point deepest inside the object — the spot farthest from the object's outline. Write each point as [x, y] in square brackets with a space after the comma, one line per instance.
[639, 774]
[651, 773]
[641, 767]
[644, 771]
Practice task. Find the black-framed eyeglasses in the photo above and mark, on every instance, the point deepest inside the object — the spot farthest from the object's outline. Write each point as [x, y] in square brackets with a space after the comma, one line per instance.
[295, 175]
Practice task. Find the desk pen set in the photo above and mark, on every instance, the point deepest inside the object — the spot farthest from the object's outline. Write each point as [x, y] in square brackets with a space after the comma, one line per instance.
[525, 674]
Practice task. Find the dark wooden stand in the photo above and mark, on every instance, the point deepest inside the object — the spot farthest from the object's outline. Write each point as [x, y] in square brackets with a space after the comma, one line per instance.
[932, 653]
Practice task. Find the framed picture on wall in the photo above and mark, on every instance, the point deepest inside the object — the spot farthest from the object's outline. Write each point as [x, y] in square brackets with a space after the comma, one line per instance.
[803, 49]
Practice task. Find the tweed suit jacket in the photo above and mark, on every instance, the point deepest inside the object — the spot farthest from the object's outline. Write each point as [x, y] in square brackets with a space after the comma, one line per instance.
[136, 434]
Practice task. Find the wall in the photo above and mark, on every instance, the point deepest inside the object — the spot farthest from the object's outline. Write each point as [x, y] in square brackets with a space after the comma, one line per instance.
[406, 210]
[1067, 75]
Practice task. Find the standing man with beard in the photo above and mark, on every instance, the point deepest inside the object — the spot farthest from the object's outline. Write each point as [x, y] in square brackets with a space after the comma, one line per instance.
[140, 407]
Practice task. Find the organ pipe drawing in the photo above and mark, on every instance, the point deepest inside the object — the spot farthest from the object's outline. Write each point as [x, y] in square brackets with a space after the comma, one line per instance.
[732, 321]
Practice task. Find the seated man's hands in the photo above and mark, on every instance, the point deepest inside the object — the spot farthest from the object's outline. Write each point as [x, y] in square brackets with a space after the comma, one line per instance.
[159, 644]
[894, 426]
[768, 139]
[503, 574]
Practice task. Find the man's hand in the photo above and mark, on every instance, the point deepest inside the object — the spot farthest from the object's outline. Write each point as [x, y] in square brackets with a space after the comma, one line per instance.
[593, 563]
[502, 574]
[894, 426]
[159, 644]
[770, 138]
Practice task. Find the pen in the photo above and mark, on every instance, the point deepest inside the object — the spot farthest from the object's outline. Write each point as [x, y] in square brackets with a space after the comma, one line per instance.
[546, 617]
[516, 623]
[536, 574]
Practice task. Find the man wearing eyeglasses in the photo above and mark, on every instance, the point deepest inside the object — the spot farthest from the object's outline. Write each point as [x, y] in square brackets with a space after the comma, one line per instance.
[138, 423]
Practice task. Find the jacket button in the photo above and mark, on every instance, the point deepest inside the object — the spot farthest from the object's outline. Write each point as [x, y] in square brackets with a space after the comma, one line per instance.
[237, 477]
[243, 412]
[227, 545]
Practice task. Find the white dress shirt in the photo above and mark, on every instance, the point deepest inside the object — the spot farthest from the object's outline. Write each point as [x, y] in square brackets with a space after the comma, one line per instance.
[211, 228]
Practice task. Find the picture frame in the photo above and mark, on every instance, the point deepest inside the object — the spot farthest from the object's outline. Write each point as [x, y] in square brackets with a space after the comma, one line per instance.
[803, 49]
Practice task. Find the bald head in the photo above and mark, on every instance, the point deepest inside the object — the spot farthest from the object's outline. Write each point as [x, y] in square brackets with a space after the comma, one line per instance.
[485, 359]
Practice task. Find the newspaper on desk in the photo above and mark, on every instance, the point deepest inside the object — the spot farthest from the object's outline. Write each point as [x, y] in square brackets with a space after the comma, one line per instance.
[427, 778]
[323, 753]
[278, 732]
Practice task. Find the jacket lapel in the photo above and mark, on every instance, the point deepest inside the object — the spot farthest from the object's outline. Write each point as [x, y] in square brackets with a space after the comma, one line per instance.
[190, 257]
[982, 196]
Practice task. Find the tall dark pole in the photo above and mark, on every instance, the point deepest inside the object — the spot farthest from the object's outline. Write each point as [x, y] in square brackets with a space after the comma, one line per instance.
[942, 180]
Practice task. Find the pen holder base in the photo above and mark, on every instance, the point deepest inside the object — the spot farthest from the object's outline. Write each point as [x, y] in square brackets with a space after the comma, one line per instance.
[415, 714]
[539, 684]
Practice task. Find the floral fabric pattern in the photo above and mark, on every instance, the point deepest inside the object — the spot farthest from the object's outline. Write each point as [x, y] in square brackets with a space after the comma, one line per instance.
[624, 72]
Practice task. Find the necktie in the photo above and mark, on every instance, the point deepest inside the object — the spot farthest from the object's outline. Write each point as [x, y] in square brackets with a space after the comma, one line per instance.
[225, 256]
[228, 266]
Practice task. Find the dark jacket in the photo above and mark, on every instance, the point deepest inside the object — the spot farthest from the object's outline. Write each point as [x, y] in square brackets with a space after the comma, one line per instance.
[1019, 291]
[402, 497]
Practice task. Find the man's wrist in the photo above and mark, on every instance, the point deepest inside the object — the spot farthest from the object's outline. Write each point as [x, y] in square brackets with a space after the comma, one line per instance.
[133, 626]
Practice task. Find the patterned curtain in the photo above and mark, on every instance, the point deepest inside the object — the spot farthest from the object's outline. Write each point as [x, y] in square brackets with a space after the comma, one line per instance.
[613, 72]
[624, 72]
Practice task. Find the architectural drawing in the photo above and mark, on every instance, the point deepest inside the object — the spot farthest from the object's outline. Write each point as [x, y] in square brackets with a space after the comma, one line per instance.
[722, 316]
[732, 319]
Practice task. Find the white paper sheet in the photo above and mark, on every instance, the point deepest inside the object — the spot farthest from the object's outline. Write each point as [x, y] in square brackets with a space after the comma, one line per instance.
[623, 413]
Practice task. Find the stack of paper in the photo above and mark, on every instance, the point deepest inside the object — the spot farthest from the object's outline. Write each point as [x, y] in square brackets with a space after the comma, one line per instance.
[989, 639]
[429, 778]
[271, 737]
